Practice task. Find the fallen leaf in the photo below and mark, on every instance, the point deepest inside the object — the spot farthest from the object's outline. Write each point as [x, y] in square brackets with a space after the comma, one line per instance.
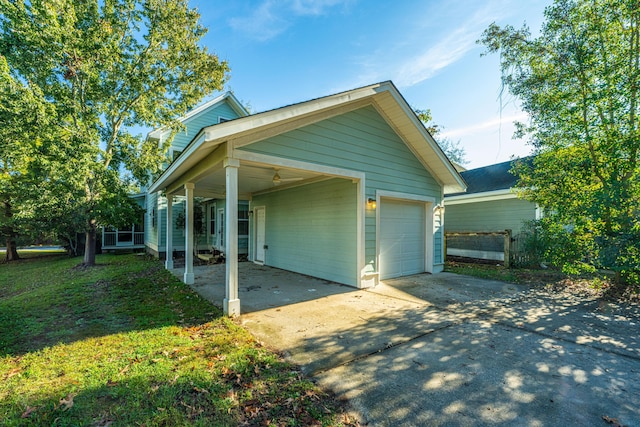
[28, 412]
[13, 372]
[67, 402]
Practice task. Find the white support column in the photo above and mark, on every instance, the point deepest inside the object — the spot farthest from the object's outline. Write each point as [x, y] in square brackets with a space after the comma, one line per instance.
[188, 230]
[168, 263]
[231, 304]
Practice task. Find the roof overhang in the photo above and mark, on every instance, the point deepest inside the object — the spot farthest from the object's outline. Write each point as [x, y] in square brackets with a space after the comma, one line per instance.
[487, 196]
[229, 97]
[225, 137]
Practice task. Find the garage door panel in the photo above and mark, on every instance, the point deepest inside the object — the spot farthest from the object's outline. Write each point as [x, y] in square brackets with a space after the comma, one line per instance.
[402, 238]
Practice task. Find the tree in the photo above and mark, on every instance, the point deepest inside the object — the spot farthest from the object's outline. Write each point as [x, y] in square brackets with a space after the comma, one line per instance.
[454, 150]
[108, 65]
[579, 82]
[23, 120]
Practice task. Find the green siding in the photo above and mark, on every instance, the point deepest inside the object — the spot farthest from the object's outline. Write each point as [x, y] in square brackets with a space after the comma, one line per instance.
[195, 124]
[496, 215]
[360, 140]
[312, 230]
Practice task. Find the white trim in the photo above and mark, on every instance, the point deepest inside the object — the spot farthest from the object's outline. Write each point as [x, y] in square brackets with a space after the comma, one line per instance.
[404, 196]
[429, 206]
[384, 96]
[486, 196]
[161, 132]
[361, 259]
[471, 253]
[247, 156]
[254, 238]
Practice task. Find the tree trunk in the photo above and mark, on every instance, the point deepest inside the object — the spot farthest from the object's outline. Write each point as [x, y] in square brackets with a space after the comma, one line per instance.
[90, 245]
[10, 234]
[12, 251]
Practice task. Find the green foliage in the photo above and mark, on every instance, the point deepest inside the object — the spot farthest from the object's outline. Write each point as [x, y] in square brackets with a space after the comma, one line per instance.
[24, 116]
[128, 344]
[579, 82]
[454, 150]
[107, 66]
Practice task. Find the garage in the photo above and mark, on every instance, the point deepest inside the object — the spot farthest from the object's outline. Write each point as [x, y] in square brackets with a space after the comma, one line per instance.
[402, 238]
[347, 188]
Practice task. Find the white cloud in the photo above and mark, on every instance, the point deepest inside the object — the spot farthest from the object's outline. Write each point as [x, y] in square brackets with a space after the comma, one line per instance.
[425, 59]
[263, 24]
[274, 17]
[314, 7]
[447, 51]
[483, 126]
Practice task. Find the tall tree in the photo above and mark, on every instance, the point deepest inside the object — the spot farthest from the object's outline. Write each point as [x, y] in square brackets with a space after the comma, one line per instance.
[108, 65]
[579, 82]
[23, 120]
[454, 150]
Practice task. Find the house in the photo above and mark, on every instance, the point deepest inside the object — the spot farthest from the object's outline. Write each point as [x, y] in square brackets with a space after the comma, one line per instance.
[347, 187]
[489, 205]
[150, 232]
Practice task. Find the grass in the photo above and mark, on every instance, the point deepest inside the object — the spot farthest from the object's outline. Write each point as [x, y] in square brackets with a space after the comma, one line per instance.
[125, 343]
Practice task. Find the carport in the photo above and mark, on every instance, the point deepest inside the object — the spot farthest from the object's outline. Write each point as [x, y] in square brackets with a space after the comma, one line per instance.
[314, 174]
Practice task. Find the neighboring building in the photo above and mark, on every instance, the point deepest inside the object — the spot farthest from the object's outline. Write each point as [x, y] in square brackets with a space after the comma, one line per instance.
[347, 187]
[490, 204]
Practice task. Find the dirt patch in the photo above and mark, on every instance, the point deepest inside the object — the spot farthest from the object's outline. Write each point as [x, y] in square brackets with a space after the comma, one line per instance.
[600, 286]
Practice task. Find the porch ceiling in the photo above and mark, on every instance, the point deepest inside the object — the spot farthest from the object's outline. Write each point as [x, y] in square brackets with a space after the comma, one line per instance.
[252, 179]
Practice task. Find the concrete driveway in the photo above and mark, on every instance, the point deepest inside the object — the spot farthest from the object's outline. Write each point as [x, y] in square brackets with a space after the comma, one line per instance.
[450, 350]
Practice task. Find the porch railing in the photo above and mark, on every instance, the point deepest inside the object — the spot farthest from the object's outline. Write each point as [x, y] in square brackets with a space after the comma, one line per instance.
[122, 238]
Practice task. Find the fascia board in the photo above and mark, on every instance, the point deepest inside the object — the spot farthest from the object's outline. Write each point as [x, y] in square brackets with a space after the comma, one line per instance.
[486, 196]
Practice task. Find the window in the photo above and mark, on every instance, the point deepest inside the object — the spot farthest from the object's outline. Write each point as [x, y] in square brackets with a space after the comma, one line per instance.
[243, 220]
[153, 218]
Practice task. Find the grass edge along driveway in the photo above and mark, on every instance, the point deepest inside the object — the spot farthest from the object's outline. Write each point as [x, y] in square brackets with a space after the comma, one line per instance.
[126, 343]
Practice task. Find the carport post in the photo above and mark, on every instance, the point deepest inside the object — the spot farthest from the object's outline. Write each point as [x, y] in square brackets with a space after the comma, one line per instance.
[188, 230]
[231, 303]
[168, 263]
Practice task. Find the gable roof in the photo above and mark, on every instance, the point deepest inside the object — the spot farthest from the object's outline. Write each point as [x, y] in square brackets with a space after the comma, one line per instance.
[384, 97]
[491, 178]
[227, 97]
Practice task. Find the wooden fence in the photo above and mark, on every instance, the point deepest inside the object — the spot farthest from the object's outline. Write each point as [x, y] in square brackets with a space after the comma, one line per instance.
[507, 243]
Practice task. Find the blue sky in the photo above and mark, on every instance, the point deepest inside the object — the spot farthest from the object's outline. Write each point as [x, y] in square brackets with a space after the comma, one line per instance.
[287, 51]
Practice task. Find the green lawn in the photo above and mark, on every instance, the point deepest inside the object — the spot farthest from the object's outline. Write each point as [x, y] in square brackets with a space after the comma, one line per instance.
[126, 343]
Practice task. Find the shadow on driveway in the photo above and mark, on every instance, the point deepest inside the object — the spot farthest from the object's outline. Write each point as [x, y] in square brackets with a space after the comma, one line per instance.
[454, 350]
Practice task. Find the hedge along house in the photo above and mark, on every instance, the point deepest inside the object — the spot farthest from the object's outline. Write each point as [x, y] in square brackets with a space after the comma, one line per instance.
[347, 188]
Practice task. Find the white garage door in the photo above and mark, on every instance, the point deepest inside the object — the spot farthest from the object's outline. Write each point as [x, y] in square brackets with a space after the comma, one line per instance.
[402, 238]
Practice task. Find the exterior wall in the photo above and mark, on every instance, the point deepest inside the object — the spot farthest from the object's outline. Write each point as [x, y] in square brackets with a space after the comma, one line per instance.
[495, 215]
[199, 121]
[210, 240]
[311, 223]
[360, 140]
[156, 235]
